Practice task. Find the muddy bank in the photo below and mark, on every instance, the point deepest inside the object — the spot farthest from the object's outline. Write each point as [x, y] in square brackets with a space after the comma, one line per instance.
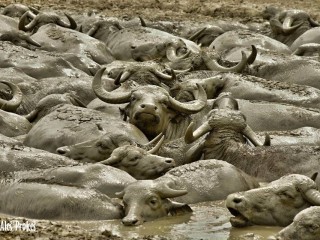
[209, 221]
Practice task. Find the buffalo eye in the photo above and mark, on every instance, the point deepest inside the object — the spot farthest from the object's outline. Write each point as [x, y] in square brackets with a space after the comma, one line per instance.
[287, 194]
[153, 202]
[102, 144]
[312, 227]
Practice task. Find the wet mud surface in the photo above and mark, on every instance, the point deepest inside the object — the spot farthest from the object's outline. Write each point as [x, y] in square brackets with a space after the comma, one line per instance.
[209, 220]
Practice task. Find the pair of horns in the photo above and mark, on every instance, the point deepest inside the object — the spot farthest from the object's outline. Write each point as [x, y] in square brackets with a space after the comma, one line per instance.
[124, 97]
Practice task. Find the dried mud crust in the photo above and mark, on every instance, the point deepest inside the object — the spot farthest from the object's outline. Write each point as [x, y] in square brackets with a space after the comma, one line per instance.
[191, 10]
[243, 11]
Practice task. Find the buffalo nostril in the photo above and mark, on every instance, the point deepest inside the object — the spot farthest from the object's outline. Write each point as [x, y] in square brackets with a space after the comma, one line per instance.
[134, 221]
[169, 160]
[155, 108]
[130, 222]
[237, 200]
[142, 106]
[62, 151]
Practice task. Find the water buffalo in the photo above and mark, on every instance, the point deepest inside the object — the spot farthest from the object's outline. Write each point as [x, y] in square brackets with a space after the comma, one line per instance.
[275, 204]
[68, 124]
[38, 64]
[105, 179]
[135, 160]
[246, 87]
[36, 94]
[42, 201]
[17, 10]
[201, 181]
[12, 125]
[140, 43]
[151, 108]
[299, 136]
[286, 68]
[54, 38]
[288, 25]
[9, 32]
[42, 18]
[226, 140]
[305, 226]
[48, 104]
[15, 156]
[231, 43]
[310, 36]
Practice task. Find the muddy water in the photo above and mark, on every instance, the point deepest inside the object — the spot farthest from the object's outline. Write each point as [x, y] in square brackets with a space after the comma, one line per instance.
[209, 221]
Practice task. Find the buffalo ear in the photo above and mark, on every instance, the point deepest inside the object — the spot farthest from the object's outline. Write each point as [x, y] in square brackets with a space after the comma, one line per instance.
[314, 176]
[176, 208]
[120, 194]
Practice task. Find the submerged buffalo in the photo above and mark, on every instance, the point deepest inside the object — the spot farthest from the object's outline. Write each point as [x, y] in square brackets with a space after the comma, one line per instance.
[152, 109]
[305, 225]
[200, 181]
[275, 204]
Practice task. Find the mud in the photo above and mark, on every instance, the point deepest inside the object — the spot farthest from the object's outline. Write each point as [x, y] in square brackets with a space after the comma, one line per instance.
[209, 220]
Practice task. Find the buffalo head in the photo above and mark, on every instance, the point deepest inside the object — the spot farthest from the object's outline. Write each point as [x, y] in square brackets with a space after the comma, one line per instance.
[288, 25]
[150, 108]
[12, 104]
[275, 204]
[140, 163]
[305, 226]
[147, 200]
[43, 18]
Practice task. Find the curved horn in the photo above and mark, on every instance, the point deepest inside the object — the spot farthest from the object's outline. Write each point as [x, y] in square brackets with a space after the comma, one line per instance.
[93, 30]
[287, 22]
[22, 22]
[171, 53]
[125, 75]
[143, 23]
[14, 103]
[252, 57]
[153, 141]
[191, 107]
[32, 115]
[162, 75]
[252, 136]
[194, 37]
[156, 148]
[76, 101]
[313, 23]
[314, 176]
[31, 41]
[166, 192]
[106, 96]
[34, 10]
[192, 136]
[120, 194]
[214, 66]
[112, 160]
[312, 196]
[287, 27]
[72, 23]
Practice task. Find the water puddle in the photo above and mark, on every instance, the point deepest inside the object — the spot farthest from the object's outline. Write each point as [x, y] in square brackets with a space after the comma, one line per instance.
[209, 221]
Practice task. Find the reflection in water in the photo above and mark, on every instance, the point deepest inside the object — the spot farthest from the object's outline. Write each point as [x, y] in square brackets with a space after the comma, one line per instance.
[209, 221]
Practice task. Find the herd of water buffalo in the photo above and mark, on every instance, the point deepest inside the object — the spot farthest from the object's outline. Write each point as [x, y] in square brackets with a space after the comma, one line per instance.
[103, 118]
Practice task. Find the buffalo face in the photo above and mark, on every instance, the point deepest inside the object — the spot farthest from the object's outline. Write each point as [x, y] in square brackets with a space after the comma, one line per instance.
[275, 204]
[139, 163]
[150, 108]
[305, 226]
[95, 150]
[146, 200]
